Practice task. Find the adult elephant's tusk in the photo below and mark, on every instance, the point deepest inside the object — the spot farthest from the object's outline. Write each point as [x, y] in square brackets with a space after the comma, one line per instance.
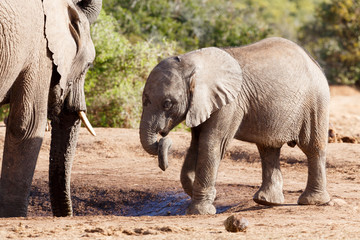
[86, 122]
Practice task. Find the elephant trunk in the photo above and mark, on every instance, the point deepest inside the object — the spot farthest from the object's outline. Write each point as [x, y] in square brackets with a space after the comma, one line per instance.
[148, 139]
[63, 145]
[91, 8]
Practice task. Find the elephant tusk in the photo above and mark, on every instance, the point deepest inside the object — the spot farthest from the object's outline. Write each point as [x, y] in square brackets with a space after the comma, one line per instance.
[86, 122]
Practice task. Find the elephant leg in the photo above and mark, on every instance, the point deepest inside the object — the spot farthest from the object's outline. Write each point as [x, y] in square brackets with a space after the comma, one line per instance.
[270, 192]
[64, 133]
[313, 142]
[24, 133]
[211, 149]
[315, 191]
[188, 169]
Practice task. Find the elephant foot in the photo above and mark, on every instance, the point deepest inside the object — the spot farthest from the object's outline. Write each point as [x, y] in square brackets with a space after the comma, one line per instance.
[201, 208]
[313, 198]
[268, 197]
[13, 210]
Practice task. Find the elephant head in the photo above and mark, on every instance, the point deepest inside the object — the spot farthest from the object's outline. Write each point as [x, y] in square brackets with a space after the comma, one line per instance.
[187, 87]
[67, 29]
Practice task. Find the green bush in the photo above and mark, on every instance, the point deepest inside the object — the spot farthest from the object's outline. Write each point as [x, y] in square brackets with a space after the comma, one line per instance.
[192, 24]
[334, 38]
[114, 86]
[4, 112]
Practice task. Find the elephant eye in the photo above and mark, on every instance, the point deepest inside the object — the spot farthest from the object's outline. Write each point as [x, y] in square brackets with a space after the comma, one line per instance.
[90, 65]
[167, 104]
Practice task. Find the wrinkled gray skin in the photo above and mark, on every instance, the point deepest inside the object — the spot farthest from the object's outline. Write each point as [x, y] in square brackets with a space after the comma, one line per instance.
[268, 93]
[45, 51]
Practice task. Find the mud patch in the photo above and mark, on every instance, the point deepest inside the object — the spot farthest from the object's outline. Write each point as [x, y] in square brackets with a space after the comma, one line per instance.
[92, 201]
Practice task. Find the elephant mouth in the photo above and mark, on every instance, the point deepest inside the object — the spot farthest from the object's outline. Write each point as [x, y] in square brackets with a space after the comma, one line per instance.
[56, 109]
[164, 133]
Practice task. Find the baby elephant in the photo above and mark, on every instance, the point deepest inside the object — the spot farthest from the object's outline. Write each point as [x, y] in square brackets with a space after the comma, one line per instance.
[268, 93]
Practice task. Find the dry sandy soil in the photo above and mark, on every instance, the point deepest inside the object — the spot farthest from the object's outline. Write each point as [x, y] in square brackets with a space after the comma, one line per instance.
[119, 192]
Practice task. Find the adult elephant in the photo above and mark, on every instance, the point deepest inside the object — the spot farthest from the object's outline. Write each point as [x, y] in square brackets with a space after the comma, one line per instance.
[45, 52]
[268, 93]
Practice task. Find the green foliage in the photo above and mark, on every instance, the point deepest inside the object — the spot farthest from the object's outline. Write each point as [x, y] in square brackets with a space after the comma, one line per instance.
[114, 86]
[284, 17]
[334, 37]
[193, 24]
[4, 112]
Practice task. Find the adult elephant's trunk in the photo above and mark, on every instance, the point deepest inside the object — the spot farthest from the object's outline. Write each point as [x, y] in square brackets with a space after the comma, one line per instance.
[91, 8]
[63, 145]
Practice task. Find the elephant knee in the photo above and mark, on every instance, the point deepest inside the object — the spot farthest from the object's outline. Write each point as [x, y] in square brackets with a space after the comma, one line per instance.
[187, 182]
[19, 130]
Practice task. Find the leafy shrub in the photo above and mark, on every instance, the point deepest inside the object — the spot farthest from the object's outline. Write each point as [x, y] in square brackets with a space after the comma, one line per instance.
[192, 24]
[114, 86]
[334, 37]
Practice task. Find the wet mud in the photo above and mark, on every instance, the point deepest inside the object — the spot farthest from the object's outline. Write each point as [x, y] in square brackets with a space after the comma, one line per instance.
[93, 201]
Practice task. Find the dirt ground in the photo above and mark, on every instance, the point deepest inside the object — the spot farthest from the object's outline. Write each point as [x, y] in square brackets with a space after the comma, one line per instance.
[119, 192]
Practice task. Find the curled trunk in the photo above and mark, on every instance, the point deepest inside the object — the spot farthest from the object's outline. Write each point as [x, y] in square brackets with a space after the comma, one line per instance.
[148, 138]
[163, 149]
[63, 145]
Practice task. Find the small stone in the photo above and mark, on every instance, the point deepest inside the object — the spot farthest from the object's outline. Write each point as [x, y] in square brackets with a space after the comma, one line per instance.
[236, 224]
[337, 202]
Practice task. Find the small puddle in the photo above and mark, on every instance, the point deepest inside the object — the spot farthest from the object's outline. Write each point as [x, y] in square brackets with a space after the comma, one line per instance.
[164, 204]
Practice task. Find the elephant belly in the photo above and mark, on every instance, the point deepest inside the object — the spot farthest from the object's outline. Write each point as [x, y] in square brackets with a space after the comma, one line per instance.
[271, 135]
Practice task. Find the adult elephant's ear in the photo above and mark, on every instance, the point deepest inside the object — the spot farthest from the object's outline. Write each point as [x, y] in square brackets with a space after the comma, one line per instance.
[215, 82]
[62, 33]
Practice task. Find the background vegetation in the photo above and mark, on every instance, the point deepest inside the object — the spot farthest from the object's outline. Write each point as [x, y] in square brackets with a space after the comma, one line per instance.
[132, 36]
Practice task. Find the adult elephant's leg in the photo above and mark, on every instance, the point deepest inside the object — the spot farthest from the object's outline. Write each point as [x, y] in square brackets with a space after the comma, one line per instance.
[64, 135]
[270, 192]
[188, 169]
[24, 133]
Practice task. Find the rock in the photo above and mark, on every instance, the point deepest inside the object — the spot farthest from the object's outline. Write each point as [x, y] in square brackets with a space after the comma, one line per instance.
[334, 137]
[337, 202]
[236, 224]
[346, 139]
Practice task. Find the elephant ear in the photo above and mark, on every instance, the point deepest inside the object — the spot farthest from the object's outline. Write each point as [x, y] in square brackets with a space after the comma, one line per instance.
[215, 82]
[62, 33]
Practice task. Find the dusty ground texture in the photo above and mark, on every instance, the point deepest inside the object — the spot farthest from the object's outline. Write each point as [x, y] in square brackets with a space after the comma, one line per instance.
[119, 192]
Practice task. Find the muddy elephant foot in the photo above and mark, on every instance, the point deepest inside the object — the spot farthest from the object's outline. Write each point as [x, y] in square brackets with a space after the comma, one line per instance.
[201, 208]
[313, 198]
[268, 197]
